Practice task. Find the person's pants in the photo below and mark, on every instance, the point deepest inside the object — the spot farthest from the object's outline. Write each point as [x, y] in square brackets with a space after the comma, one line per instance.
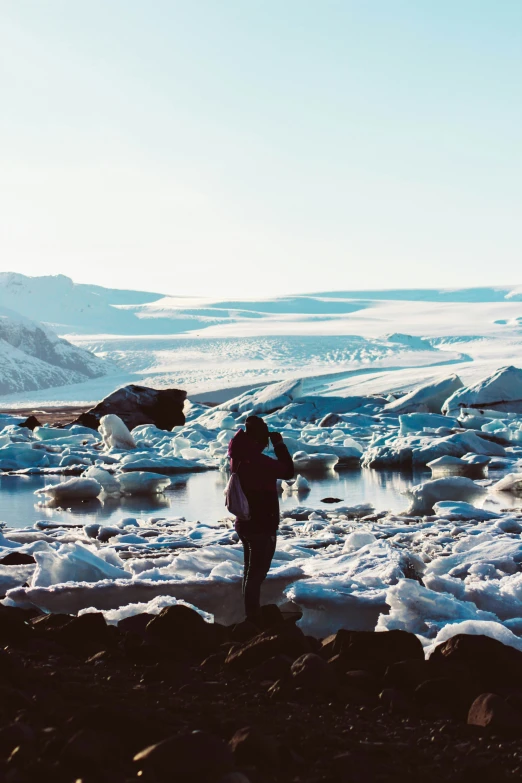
[258, 549]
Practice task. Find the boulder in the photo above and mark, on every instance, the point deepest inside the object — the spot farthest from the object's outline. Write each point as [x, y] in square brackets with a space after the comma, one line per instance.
[286, 639]
[137, 405]
[136, 623]
[31, 423]
[490, 661]
[13, 628]
[252, 748]
[313, 674]
[491, 712]
[86, 634]
[378, 650]
[17, 558]
[197, 757]
[448, 693]
[276, 668]
[178, 627]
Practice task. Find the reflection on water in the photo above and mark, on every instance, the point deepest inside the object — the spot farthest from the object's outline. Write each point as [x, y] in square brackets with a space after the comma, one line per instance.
[199, 496]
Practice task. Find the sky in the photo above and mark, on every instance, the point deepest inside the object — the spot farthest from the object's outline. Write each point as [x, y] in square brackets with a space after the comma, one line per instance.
[262, 147]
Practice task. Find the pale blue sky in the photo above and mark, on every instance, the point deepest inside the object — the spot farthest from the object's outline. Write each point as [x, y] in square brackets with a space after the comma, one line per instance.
[248, 147]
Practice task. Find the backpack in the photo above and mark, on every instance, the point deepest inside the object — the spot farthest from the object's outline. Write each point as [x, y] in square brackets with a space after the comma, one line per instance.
[235, 498]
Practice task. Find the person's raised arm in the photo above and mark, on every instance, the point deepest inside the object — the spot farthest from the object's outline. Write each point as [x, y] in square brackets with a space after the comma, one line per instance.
[284, 464]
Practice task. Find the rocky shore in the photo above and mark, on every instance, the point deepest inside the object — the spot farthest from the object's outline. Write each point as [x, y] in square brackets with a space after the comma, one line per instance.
[173, 698]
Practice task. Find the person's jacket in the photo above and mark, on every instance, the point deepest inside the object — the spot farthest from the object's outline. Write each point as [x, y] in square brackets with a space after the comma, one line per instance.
[258, 474]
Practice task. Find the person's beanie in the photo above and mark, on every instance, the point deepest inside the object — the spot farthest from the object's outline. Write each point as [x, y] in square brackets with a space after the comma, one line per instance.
[256, 429]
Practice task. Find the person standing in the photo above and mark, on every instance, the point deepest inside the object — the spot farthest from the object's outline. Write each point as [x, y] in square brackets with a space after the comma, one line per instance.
[258, 474]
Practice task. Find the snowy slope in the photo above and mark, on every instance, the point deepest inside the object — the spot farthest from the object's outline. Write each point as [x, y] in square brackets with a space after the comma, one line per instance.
[67, 306]
[32, 357]
[384, 341]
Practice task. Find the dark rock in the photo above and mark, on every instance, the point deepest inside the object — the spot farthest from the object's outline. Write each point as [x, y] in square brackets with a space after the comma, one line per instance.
[88, 749]
[253, 748]
[192, 758]
[270, 616]
[330, 420]
[490, 662]
[13, 735]
[136, 624]
[396, 702]
[214, 661]
[17, 558]
[244, 631]
[312, 673]
[362, 680]
[30, 423]
[370, 761]
[407, 675]
[451, 694]
[13, 627]
[286, 639]
[178, 627]
[331, 500]
[327, 646]
[49, 622]
[378, 650]
[355, 697]
[492, 712]
[137, 405]
[85, 635]
[88, 420]
[276, 668]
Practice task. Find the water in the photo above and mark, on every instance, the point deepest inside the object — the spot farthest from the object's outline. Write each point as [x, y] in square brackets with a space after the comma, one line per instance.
[199, 496]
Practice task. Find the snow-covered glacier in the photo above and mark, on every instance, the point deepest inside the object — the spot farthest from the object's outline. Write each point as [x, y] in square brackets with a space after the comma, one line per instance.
[343, 343]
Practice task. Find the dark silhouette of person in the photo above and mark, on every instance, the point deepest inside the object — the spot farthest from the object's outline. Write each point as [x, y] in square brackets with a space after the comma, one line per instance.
[258, 474]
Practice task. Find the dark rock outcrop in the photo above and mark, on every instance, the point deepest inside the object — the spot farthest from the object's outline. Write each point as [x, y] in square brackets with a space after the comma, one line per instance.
[31, 423]
[137, 405]
[17, 558]
[197, 757]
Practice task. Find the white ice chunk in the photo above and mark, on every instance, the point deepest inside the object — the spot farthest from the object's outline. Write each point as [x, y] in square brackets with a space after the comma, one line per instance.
[299, 484]
[458, 511]
[109, 483]
[417, 609]
[73, 489]
[72, 563]
[142, 483]
[512, 482]
[115, 433]
[357, 540]
[424, 496]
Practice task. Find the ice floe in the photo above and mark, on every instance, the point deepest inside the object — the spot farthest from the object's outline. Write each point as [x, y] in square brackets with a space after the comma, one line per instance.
[453, 556]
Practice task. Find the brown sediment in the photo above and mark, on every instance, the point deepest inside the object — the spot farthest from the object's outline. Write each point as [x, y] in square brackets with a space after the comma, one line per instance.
[57, 417]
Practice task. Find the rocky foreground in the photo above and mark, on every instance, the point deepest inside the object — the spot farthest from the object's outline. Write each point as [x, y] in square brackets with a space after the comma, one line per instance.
[173, 698]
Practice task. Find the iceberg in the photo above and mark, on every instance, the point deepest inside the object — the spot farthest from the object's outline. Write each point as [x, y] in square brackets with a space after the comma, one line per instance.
[457, 511]
[428, 398]
[423, 496]
[73, 489]
[142, 483]
[72, 563]
[512, 482]
[501, 391]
